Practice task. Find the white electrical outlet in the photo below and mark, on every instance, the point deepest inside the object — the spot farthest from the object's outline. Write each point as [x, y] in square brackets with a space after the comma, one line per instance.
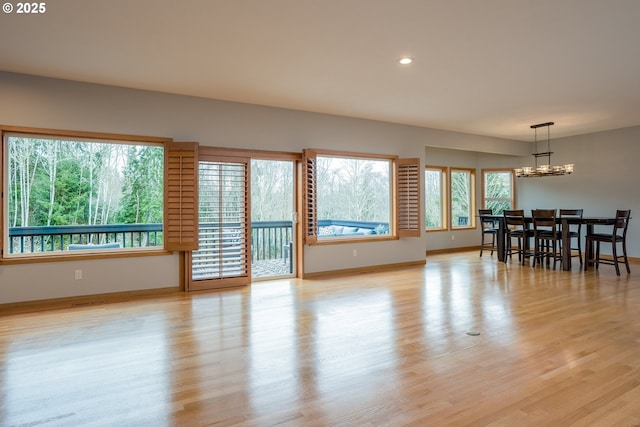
[453, 237]
[78, 274]
[355, 252]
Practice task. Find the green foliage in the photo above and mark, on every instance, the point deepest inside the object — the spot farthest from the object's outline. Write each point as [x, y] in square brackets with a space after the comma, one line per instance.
[460, 196]
[498, 191]
[433, 198]
[54, 182]
[70, 205]
[142, 187]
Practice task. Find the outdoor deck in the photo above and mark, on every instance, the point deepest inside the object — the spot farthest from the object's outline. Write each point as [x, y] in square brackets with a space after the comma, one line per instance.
[270, 268]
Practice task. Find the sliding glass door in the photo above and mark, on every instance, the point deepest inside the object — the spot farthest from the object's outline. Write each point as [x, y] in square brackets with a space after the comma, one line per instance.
[247, 220]
[272, 219]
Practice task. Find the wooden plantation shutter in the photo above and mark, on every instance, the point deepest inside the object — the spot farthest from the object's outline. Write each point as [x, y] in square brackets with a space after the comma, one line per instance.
[310, 202]
[224, 256]
[181, 196]
[408, 198]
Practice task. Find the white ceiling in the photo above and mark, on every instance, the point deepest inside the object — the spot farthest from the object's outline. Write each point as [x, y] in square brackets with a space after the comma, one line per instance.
[489, 67]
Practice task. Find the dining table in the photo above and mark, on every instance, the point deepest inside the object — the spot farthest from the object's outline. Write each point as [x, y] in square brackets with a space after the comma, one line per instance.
[565, 223]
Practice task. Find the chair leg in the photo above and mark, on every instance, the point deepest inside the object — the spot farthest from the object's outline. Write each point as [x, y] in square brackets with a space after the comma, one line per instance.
[547, 249]
[587, 245]
[510, 248]
[624, 253]
[507, 244]
[483, 243]
[615, 256]
[524, 249]
[493, 243]
[596, 261]
[540, 252]
[579, 249]
[520, 250]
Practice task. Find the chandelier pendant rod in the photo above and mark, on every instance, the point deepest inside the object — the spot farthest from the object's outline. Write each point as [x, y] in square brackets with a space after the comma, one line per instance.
[535, 153]
[549, 143]
[547, 153]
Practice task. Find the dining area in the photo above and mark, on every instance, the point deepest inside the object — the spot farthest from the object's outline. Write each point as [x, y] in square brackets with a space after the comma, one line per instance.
[547, 237]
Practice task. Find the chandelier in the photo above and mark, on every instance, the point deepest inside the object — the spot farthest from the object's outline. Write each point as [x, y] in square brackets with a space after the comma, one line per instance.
[545, 169]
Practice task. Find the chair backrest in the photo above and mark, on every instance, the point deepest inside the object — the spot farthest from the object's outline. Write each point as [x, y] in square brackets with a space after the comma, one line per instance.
[486, 223]
[544, 220]
[622, 222]
[514, 219]
[572, 213]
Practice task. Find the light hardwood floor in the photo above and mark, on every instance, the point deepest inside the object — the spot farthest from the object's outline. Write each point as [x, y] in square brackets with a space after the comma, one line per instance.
[378, 349]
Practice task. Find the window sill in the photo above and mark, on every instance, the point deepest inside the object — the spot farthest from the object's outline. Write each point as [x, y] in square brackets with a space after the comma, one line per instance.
[363, 239]
[88, 255]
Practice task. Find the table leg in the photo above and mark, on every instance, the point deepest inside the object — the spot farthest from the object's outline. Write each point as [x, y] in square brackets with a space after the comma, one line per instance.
[501, 244]
[588, 250]
[566, 245]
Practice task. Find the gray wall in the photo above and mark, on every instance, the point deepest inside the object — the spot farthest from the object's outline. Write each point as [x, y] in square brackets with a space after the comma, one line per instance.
[57, 104]
[606, 178]
[436, 156]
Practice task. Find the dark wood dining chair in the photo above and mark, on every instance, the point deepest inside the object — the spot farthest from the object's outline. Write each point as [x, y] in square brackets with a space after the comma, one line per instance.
[575, 231]
[488, 229]
[546, 237]
[617, 236]
[516, 228]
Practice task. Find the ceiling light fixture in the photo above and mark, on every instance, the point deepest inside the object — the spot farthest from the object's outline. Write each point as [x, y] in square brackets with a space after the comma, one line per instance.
[405, 60]
[543, 170]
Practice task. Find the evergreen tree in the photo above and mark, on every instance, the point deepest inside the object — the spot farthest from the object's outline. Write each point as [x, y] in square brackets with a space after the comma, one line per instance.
[142, 189]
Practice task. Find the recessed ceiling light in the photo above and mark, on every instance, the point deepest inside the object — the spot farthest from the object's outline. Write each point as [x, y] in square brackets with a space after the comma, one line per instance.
[405, 60]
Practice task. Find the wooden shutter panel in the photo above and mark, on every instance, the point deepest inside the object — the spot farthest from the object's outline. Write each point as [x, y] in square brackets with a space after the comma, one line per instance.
[181, 196]
[408, 198]
[224, 256]
[310, 194]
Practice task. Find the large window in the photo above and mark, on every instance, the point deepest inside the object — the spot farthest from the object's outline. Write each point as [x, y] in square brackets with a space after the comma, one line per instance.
[350, 196]
[73, 195]
[497, 190]
[435, 184]
[354, 197]
[462, 184]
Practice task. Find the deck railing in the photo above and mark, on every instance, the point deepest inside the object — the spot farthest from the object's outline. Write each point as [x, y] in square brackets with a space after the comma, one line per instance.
[269, 239]
[58, 238]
